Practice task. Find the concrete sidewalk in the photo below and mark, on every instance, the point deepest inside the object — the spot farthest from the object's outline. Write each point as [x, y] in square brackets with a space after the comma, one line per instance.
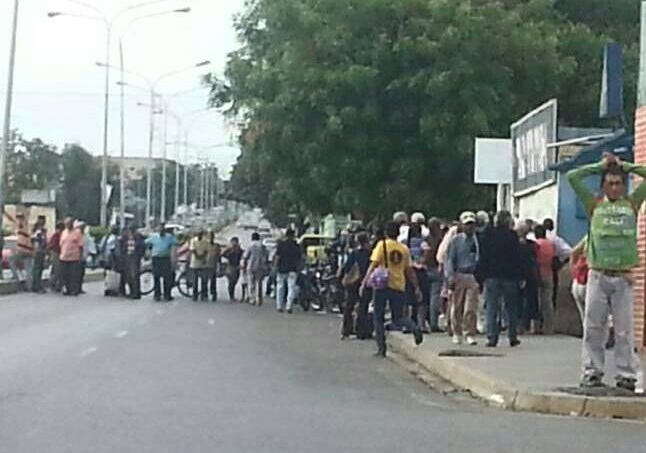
[541, 375]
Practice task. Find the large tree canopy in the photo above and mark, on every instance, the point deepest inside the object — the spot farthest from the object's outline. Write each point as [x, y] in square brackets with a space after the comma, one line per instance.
[370, 106]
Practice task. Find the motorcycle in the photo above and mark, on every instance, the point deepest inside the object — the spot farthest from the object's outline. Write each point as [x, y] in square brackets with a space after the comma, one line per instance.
[331, 292]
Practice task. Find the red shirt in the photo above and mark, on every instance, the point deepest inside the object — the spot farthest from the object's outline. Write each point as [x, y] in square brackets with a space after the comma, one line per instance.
[54, 243]
[581, 271]
[71, 245]
[545, 252]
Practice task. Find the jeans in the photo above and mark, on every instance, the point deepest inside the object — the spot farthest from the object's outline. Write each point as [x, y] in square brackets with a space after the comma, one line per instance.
[607, 294]
[396, 300]
[436, 282]
[497, 292]
[162, 269]
[37, 274]
[286, 282]
[233, 276]
[213, 283]
[361, 303]
[132, 268]
[200, 283]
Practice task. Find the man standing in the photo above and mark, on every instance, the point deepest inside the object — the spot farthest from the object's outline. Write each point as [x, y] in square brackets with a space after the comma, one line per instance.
[39, 243]
[545, 258]
[501, 267]
[54, 249]
[162, 245]
[23, 257]
[460, 268]
[233, 255]
[611, 251]
[434, 275]
[288, 260]
[199, 266]
[255, 265]
[395, 257]
[70, 258]
[133, 249]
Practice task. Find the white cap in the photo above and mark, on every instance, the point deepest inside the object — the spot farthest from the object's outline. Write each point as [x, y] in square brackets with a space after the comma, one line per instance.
[467, 217]
[418, 217]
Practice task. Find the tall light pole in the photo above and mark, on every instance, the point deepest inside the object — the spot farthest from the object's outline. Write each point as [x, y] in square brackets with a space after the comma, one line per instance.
[7, 110]
[109, 23]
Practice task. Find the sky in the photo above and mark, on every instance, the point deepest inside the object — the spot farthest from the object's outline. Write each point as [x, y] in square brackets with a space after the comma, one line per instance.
[59, 89]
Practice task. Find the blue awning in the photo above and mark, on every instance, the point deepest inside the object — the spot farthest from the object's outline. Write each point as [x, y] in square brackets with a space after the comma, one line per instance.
[620, 143]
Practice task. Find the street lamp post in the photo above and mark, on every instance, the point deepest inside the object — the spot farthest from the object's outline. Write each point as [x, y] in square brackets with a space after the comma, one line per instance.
[109, 23]
[7, 111]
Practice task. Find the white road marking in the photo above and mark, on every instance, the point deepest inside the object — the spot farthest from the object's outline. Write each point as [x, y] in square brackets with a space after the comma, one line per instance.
[211, 321]
[121, 334]
[88, 351]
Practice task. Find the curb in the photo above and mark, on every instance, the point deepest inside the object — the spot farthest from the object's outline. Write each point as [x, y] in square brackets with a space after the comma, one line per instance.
[12, 287]
[500, 393]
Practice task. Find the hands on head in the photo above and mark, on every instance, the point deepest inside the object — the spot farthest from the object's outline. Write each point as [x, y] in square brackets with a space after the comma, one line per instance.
[610, 159]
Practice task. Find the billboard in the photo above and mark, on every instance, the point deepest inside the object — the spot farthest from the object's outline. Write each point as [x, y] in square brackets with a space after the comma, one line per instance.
[493, 161]
[531, 156]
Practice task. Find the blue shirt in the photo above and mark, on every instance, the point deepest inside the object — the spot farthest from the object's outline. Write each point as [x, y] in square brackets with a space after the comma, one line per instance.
[161, 245]
[463, 255]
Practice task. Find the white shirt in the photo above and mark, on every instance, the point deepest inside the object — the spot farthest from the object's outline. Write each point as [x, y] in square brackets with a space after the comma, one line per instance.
[403, 233]
[562, 249]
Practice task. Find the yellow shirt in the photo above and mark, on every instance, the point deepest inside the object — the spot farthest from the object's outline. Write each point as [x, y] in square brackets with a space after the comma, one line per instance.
[398, 262]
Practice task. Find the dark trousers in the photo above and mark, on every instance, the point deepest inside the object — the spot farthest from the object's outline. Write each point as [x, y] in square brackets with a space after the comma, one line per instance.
[37, 272]
[132, 268]
[497, 292]
[70, 277]
[435, 303]
[162, 270]
[396, 300]
[200, 283]
[361, 304]
[233, 276]
[529, 303]
[419, 309]
[213, 283]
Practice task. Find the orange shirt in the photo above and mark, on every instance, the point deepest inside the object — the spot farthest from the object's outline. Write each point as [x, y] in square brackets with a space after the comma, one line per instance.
[545, 252]
[71, 245]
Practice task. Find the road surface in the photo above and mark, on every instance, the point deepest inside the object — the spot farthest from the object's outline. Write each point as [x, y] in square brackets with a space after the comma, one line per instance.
[104, 375]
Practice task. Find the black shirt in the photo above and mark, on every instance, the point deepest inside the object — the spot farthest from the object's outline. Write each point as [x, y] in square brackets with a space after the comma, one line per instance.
[233, 256]
[288, 254]
[500, 255]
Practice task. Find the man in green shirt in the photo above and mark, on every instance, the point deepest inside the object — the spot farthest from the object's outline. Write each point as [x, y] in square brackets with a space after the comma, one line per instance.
[612, 254]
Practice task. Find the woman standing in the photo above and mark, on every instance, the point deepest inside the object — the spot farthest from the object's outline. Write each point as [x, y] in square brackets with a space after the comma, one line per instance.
[545, 257]
[529, 293]
[352, 274]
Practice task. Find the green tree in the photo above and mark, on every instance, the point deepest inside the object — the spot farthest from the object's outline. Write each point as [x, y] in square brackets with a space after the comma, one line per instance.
[371, 106]
[81, 188]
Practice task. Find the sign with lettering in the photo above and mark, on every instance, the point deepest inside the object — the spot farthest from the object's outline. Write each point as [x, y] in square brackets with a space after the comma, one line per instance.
[529, 139]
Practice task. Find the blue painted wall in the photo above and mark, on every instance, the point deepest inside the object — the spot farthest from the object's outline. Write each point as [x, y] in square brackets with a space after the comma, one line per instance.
[572, 220]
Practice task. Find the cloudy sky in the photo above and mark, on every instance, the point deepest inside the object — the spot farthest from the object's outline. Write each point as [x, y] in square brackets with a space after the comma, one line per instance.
[59, 88]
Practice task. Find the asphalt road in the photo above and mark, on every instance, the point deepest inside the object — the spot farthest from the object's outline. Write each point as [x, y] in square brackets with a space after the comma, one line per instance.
[104, 375]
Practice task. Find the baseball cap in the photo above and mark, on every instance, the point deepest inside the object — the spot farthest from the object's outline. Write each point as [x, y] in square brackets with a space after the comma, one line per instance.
[418, 217]
[467, 217]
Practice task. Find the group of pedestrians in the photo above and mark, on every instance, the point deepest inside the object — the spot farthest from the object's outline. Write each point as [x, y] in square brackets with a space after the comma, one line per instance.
[65, 251]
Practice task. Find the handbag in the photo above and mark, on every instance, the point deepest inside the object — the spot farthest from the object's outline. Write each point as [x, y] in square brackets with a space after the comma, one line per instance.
[379, 277]
[352, 276]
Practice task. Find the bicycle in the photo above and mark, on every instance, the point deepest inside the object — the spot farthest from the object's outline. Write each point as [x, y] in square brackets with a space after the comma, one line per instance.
[183, 281]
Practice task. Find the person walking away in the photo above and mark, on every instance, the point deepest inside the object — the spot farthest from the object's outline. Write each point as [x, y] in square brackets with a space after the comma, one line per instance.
[233, 254]
[461, 264]
[133, 249]
[255, 266]
[562, 252]
[529, 315]
[71, 244]
[39, 243]
[214, 264]
[391, 258]
[501, 267]
[417, 245]
[54, 251]
[23, 257]
[199, 266]
[435, 277]
[545, 253]
[162, 245]
[611, 252]
[351, 275]
[288, 261]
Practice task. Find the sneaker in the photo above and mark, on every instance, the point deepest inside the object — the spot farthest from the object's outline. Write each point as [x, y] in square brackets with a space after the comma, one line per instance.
[457, 339]
[280, 310]
[491, 344]
[471, 341]
[419, 336]
[592, 381]
[626, 383]
[514, 343]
